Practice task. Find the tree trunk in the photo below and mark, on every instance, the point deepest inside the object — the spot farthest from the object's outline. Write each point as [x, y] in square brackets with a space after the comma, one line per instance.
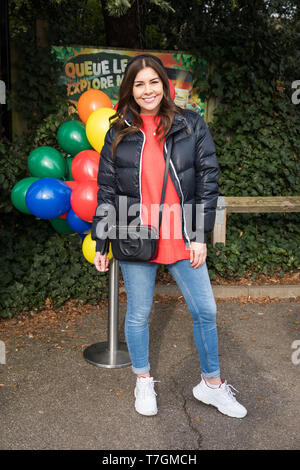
[42, 32]
[126, 30]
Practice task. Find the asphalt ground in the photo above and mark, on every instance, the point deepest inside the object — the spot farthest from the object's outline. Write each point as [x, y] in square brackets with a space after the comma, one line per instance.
[51, 398]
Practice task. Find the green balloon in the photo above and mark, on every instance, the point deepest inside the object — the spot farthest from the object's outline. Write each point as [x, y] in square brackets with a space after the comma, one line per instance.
[18, 193]
[61, 225]
[46, 162]
[68, 173]
[72, 138]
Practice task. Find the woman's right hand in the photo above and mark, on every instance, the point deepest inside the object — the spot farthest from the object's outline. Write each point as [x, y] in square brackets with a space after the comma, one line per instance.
[101, 262]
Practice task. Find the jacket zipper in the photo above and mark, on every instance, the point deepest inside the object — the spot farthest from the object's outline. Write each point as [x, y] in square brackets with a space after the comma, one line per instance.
[140, 175]
[140, 169]
[184, 221]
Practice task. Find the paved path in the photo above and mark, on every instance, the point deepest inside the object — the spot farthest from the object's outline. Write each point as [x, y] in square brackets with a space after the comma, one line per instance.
[51, 398]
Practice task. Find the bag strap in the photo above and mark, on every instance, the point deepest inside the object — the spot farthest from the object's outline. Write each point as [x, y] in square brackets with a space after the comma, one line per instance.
[165, 181]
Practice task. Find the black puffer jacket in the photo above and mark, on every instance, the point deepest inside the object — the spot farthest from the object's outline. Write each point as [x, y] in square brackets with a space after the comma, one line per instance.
[193, 169]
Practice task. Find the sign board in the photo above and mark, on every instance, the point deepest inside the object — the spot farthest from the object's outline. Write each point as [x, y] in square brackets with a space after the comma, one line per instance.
[84, 68]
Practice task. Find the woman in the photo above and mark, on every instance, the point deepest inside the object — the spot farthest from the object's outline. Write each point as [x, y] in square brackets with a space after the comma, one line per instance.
[130, 177]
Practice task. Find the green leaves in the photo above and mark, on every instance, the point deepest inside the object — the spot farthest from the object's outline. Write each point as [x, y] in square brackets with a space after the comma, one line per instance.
[268, 245]
[37, 92]
[43, 265]
[120, 7]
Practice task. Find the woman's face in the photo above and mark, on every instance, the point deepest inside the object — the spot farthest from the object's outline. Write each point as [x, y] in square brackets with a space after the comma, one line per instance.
[148, 90]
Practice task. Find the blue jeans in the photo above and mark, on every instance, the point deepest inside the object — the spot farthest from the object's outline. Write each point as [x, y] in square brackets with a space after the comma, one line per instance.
[139, 280]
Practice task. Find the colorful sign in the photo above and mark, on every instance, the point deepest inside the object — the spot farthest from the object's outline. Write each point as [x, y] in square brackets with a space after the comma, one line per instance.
[103, 69]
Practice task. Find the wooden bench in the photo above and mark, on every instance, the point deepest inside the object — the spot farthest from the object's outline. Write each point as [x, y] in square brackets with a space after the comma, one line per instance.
[226, 205]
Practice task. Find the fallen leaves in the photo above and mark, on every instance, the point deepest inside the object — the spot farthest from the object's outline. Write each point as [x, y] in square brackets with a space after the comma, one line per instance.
[58, 327]
[118, 394]
[262, 300]
[287, 278]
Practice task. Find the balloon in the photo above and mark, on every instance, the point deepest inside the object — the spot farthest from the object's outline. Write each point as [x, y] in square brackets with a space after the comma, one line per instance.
[64, 216]
[68, 164]
[172, 89]
[85, 165]
[48, 198]
[46, 162]
[97, 125]
[72, 138]
[89, 249]
[61, 226]
[91, 100]
[19, 191]
[77, 224]
[116, 106]
[72, 184]
[84, 200]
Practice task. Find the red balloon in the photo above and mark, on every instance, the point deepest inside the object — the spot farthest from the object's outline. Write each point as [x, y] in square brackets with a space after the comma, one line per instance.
[116, 106]
[72, 184]
[85, 165]
[172, 89]
[64, 216]
[84, 200]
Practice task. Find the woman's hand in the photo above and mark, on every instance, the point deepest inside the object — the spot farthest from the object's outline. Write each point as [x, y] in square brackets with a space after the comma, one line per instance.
[101, 262]
[197, 254]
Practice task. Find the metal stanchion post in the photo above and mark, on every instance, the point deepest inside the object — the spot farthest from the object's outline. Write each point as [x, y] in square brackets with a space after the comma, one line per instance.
[112, 353]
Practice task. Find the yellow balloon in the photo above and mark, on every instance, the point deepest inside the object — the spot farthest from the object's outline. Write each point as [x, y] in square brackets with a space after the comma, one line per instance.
[97, 125]
[89, 249]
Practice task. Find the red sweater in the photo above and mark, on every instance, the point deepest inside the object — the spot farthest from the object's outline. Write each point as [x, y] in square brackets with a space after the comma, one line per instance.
[171, 246]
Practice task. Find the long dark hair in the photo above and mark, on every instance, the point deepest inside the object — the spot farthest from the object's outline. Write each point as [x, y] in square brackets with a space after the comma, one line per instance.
[128, 104]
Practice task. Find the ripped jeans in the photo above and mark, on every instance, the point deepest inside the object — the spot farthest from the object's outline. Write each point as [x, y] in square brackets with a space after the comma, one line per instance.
[139, 280]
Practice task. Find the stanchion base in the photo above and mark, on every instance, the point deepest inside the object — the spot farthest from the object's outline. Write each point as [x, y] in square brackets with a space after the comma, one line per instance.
[99, 355]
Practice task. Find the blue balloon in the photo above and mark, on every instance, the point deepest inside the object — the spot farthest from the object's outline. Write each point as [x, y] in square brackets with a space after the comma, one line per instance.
[48, 198]
[76, 223]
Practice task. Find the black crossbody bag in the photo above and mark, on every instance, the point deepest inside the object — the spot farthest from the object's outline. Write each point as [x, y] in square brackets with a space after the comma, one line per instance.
[139, 242]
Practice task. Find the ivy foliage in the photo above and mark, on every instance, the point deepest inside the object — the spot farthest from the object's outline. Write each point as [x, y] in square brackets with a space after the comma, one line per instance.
[258, 141]
[256, 244]
[37, 92]
[38, 263]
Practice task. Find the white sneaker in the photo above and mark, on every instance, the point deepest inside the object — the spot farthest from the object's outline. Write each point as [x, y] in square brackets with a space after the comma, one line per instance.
[145, 396]
[222, 398]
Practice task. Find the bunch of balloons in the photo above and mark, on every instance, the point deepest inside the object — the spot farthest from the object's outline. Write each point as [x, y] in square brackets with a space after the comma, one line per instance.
[64, 190]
